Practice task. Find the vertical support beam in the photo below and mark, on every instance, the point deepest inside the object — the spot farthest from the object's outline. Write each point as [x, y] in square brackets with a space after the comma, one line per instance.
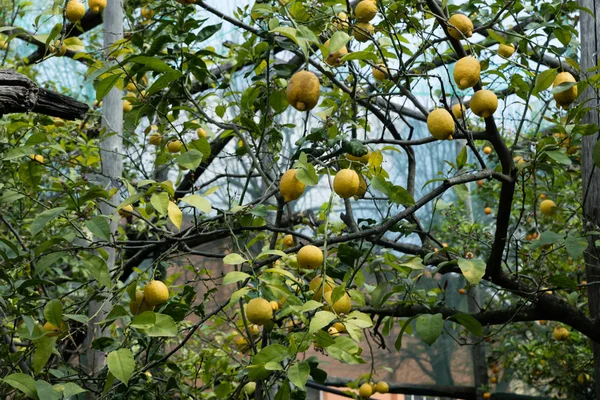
[589, 28]
[111, 149]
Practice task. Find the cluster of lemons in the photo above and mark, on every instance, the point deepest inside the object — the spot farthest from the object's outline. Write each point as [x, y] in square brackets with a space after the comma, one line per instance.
[466, 74]
[155, 293]
[76, 10]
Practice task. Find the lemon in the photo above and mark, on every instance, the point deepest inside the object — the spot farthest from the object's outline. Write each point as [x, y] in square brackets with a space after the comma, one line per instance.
[37, 157]
[241, 343]
[362, 188]
[365, 11]
[126, 211]
[460, 26]
[58, 122]
[53, 329]
[487, 150]
[130, 87]
[317, 285]
[440, 124]
[564, 99]
[290, 187]
[342, 306]
[379, 71]
[259, 311]
[253, 329]
[459, 110]
[466, 72]
[382, 387]
[339, 327]
[174, 146]
[342, 21]
[139, 305]
[274, 305]
[484, 103]
[303, 90]
[155, 138]
[345, 183]
[365, 391]
[75, 10]
[310, 257]
[201, 133]
[363, 31]
[519, 160]
[333, 332]
[59, 49]
[561, 333]
[333, 59]
[147, 13]
[249, 388]
[364, 159]
[155, 293]
[127, 106]
[548, 207]
[487, 210]
[506, 50]
[96, 6]
[288, 241]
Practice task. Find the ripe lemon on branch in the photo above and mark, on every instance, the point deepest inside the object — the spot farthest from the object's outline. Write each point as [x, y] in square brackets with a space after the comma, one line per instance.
[290, 187]
[548, 207]
[334, 59]
[366, 10]
[440, 124]
[342, 306]
[75, 10]
[346, 183]
[506, 50]
[139, 304]
[303, 91]
[566, 97]
[259, 311]
[460, 26]
[459, 110]
[484, 103]
[380, 72]
[310, 257]
[96, 6]
[467, 71]
[317, 285]
[363, 31]
[155, 293]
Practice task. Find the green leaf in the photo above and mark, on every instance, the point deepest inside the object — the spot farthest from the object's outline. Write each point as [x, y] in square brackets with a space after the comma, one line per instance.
[559, 157]
[18, 152]
[575, 246]
[470, 323]
[121, 364]
[307, 175]
[547, 237]
[70, 389]
[345, 350]
[199, 202]
[160, 202]
[43, 218]
[190, 159]
[429, 327]
[396, 194]
[164, 327]
[286, 31]
[97, 267]
[22, 382]
[47, 261]
[45, 391]
[596, 154]
[164, 81]
[153, 64]
[233, 259]
[405, 326]
[461, 160]
[104, 86]
[272, 353]
[144, 320]
[207, 32]
[563, 87]
[100, 227]
[543, 80]
[43, 351]
[298, 374]
[337, 41]
[320, 320]
[53, 312]
[235, 276]
[473, 270]
[415, 262]
[284, 392]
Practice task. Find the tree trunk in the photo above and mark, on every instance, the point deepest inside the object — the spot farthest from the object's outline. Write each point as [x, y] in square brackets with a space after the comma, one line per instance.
[111, 149]
[590, 38]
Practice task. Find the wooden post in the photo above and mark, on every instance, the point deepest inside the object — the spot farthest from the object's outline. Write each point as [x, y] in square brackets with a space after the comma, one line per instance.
[590, 40]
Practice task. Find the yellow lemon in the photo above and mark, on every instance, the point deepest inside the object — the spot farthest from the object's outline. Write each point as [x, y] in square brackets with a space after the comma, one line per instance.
[365, 11]
[365, 391]
[310, 257]
[548, 207]
[382, 387]
[155, 293]
[342, 21]
[139, 305]
[37, 157]
[362, 188]
[59, 49]
[459, 110]
[345, 183]
[342, 306]
[339, 327]
[97, 5]
[259, 311]
[466, 72]
[130, 87]
[174, 146]
[334, 59]
[440, 124]
[379, 71]
[75, 10]
[487, 150]
[288, 241]
[565, 98]
[303, 90]
[201, 133]
[333, 332]
[58, 122]
[53, 329]
[364, 159]
[460, 26]
[317, 285]
[484, 103]
[274, 305]
[241, 343]
[155, 138]
[290, 187]
[127, 106]
[561, 333]
[363, 31]
[126, 211]
[506, 50]
[147, 13]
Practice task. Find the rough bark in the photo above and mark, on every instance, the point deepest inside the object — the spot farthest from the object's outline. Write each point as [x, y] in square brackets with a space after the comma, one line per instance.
[590, 25]
[19, 94]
